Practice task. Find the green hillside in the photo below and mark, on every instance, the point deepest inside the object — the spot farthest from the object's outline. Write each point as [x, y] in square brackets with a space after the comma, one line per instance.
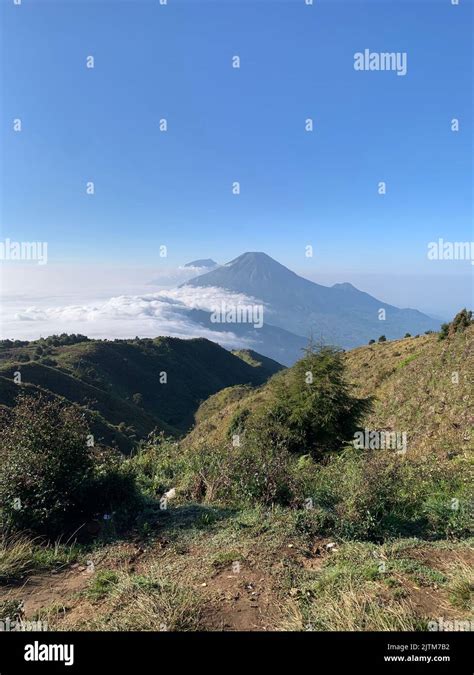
[257, 360]
[128, 387]
[258, 534]
[421, 385]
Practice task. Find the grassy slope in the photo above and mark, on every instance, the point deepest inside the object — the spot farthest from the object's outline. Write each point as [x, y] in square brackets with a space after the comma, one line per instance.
[411, 382]
[183, 576]
[103, 377]
[179, 572]
[257, 360]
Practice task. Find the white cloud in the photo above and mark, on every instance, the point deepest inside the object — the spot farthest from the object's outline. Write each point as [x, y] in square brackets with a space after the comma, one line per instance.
[161, 305]
[165, 312]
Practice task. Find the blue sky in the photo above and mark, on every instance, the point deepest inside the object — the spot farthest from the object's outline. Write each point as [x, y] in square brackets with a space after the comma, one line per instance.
[246, 125]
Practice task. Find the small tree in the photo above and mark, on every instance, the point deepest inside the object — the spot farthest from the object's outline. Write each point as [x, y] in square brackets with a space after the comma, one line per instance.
[382, 338]
[371, 342]
[407, 335]
[461, 321]
[312, 410]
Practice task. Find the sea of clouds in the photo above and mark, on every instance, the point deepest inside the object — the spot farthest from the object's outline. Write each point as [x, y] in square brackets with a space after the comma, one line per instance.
[61, 303]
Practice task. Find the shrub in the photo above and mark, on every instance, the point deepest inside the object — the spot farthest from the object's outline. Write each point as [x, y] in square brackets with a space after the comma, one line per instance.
[312, 409]
[382, 338]
[237, 423]
[377, 494]
[50, 480]
[157, 465]
[246, 474]
[263, 475]
[443, 333]
[461, 321]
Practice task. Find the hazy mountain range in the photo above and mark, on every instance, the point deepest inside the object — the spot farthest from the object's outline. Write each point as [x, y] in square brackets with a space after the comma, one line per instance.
[296, 308]
[290, 309]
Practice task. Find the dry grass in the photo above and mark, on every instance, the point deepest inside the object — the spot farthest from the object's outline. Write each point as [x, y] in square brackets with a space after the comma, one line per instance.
[359, 609]
[16, 557]
[147, 603]
[411, 381]
[21, 555]
[461, 586]
[185, 582]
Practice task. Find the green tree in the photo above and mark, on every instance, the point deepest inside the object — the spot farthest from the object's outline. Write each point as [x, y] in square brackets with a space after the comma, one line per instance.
[313, 410]
[461, 321]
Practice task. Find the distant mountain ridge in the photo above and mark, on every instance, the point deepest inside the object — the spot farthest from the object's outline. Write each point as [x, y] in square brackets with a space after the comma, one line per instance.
[339, 314]
[203, 262]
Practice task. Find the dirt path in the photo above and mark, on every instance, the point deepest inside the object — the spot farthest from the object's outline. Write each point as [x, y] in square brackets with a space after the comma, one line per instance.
[241, 600]
[47, 590]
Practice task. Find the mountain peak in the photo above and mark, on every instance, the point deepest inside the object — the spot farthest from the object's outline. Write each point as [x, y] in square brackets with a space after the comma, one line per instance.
[256, 259]
[341, 314]
[256, 274]
[344, 286]
[202, 262]
[254, 256]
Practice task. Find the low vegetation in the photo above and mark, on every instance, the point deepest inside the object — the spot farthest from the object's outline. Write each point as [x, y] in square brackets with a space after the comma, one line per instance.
[53, 479]
[265, 516]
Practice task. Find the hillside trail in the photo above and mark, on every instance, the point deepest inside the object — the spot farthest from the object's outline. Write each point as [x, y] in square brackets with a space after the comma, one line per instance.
[47, 590]
[247, 596]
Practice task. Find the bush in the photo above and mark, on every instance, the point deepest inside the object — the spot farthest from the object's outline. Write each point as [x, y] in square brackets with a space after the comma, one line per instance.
[248, 474]
[264, 475]
[237, 423]
[382, 338]
[157, 465]
[51, 482]
[461, 321]
[374, 495]
[312, 409]
[368, 495]
[311, 413]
